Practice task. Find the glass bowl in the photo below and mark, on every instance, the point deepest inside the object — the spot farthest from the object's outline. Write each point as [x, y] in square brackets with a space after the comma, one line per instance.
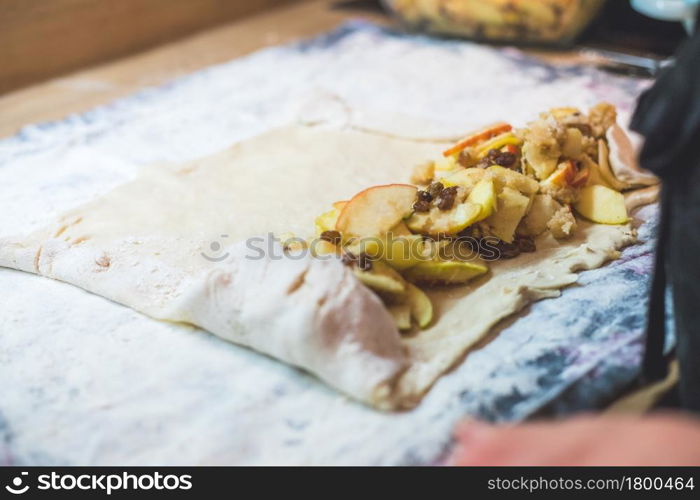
[556, 22]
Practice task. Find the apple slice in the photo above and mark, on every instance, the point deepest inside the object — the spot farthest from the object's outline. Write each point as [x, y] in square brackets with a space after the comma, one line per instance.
[466, 178]
[375, 210]
[581, 177]
[594, 175]
[481, 135]
[323, 247]
[451, 272]
[402, 315]
[446, 164]
[563, 111]
[403, 252]
[382, 279]
[573, 143]
[602, 204]
[421, 307]
[512, 207]
[326, 221]
[509, 148]
[484, 194]
[423, 173]
[506, 139]
[563, 176]
[438, 222]
[506, 177]
[338, 205]
[543, 161]
[372, 246]
[400, 229]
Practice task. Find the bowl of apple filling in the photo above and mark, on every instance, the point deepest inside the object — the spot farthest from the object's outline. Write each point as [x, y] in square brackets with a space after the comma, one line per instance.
[523, 21]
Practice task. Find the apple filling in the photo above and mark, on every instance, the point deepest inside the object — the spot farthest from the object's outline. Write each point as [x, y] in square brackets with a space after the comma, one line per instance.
[488, 198]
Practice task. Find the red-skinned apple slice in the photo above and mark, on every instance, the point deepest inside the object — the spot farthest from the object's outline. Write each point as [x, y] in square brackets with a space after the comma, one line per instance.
[338, 205]
[375, 210]
[563, 176]
[479, 136]
[581, 177]
[512, 149]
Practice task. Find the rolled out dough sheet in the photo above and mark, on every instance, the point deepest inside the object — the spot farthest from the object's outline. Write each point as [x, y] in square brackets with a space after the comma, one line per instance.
[174, 244]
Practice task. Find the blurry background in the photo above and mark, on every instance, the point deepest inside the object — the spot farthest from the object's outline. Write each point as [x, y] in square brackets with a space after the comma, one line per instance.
[40, 39]
[63, 57]
[59, 57]
[43, 38]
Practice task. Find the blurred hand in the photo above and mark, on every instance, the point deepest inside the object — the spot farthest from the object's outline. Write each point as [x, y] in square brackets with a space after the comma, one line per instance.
[664, 439]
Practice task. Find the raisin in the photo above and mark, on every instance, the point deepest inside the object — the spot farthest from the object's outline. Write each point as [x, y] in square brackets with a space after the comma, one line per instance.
[364, 262]
[485, 162]
[504, 159]
[493, 154]
[332, 236]
[348, 259]
[446, 198]
[425, 196]
[525, 244]
[507, 250]
[435, 188]
[421, 206]
[465, 246]
[445, 203]
[465, 158]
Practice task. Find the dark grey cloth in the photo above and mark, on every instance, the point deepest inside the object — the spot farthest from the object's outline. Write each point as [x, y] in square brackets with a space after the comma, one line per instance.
[668, 115]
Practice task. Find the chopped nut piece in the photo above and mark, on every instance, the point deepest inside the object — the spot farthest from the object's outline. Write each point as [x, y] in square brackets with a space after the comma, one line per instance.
[563, 194]
[562, 224]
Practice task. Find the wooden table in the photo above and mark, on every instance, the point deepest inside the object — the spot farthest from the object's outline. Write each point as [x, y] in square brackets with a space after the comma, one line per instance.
[100, 84]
